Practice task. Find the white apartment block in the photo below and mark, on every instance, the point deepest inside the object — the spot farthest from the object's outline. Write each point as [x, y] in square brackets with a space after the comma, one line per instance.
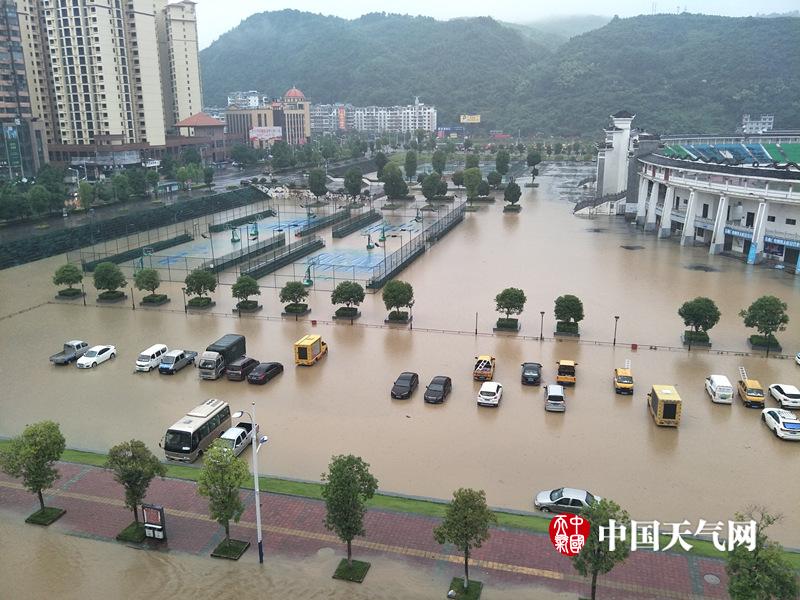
[760, 125]
[395, 118]
[176, 25]
[248, 99]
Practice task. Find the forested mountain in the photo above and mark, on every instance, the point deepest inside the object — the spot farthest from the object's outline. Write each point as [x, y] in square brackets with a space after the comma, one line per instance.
[678, 73]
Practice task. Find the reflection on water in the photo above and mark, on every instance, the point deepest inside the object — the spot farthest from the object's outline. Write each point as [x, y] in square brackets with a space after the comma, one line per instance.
[605, 443]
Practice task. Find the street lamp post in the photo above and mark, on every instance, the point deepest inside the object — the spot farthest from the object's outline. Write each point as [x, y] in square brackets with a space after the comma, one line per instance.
[185, 308]
[616, 320]
[541, 325]
[83, 293]
[256, 443]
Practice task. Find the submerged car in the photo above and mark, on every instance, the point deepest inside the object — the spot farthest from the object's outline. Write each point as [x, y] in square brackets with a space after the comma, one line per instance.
[405, 385]
[554, 399]
[264, 372]
[787, 396]
[564, 500]
[490, 394]
[783, 423]
[96, 355]
[531, 373]
[438, 389]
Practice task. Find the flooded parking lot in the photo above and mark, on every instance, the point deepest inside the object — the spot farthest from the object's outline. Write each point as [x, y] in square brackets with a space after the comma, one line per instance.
[718, 461]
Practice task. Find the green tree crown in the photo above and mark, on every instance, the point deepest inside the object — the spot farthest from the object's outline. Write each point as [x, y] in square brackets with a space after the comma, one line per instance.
[245, 287]
[701, 314]
[134, 467]
[397, 294]
[568, 308]
[109, 277]
[67, 275]
[147, 279]
[220, 480]
[348, 293]
[200, 282]
[32, 456]
[294, 292]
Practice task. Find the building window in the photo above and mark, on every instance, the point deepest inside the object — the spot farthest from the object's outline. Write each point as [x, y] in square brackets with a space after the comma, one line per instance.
[771, 218]
[791, 221]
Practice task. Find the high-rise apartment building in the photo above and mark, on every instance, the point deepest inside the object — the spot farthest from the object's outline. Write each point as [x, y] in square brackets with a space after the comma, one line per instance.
[110, 72]
[329, 118]
[248, 99]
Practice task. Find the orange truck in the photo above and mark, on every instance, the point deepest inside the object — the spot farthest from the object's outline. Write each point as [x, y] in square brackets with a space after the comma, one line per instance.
[484, 368]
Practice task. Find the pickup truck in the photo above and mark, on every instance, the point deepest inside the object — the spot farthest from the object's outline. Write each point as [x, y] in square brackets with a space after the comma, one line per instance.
[72, 351]
[484, 368]
[174, 360]
[239, 437]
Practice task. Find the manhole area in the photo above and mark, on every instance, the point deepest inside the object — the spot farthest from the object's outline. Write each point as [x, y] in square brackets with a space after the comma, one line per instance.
[712, 579]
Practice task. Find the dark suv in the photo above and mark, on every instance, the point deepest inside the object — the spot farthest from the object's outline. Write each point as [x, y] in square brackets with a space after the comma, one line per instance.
[240, 368]
[406, 383]
[531, 373]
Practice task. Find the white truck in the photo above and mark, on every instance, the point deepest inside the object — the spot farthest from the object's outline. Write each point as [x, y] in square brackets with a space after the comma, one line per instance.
[239, 437]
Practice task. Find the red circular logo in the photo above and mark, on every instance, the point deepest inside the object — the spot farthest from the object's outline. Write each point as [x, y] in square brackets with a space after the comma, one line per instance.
[569, 533]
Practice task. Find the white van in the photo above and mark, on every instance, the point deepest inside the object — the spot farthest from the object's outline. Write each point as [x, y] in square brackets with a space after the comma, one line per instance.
[720, 389]
[151, 358]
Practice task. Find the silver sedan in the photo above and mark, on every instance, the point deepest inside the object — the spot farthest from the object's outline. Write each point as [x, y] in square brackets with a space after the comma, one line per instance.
[564, 500]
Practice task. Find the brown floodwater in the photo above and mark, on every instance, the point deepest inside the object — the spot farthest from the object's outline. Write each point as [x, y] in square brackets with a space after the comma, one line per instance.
[720, 460]
[45, 563]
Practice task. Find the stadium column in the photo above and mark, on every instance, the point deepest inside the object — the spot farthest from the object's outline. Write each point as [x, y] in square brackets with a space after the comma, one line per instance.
[718, 234]
[665, 230]
[650, 219]
[641, 201]
[756, 253]
[688, 235]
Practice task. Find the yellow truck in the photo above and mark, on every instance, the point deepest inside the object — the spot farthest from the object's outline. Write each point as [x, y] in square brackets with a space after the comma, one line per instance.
[665, 405]
[566, 372]
[750, 390]
[623, 379]
[309, 349]
[484, 368]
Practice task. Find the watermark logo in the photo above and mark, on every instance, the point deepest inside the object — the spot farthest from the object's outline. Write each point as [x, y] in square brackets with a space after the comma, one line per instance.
[569, 533]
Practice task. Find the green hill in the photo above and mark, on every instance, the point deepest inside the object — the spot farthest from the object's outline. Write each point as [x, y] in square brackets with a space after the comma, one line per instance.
[678, 73]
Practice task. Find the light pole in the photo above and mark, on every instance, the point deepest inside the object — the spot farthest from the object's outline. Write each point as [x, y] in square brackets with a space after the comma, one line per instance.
[256, 443]
[616, 320]
[541, 325]
[185, 308]
[411, 319]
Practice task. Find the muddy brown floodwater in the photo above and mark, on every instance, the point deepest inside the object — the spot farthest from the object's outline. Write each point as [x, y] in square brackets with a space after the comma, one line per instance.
[720, 460]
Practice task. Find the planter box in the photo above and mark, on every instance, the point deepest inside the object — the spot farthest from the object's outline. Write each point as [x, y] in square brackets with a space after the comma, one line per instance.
[695, 344]
[566, 334]
[776, 347]
[512, 208]
[532, 185]
[112, 300]
[244, 311]
[296, 314]
[345, 317]
[471, 208]
[484, 199]
[206, 307]
[159, 303]
[67, 298]
[508, 327]
[405, 321]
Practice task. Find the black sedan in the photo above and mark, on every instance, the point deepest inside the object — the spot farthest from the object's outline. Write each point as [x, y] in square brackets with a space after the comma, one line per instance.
[438, 389]
[531, 373]
[264, 372]
[406, 383]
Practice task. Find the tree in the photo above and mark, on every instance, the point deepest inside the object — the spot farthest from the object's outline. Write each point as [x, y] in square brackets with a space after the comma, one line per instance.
[767, 315]
[348, 293]
[558, 147]
[244, 155]
[121, 187]
[208, 175]
[442, 188]
[534, 158]
[167, 166]
[472, 179]
[467, 144]
[472, 161]
[438, 161]
[200, 282]
[317, 183]
[762, 573]
[294, 292]
[466, 524]
[411, 164]
[430, 186]
[568, 308]
[510, 301]
[220, 479]
[67, 275]
[596, 557]
[501, 161]
[86, 194]
[134, 467]
[397, 294]
[483, 188]
[32, 457]
[380, 162]
[137, 180]
[38, 199]
[701, 314]
[393, 183]
[191, 156]
[153, 179]
[52, 178]
[245, 287]
[512, 193]
[352, 182]
[346, 487]
[458, 178]
[147, 279]
[494, 179]
[108, 277]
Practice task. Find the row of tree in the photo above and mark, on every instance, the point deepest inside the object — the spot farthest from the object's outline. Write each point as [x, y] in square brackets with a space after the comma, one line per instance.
[348, 485]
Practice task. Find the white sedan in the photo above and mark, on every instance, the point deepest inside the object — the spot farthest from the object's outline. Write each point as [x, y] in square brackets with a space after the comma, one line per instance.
[783, 423]
[95, 356]
[797, 358]
[490, 394]
[787, 396]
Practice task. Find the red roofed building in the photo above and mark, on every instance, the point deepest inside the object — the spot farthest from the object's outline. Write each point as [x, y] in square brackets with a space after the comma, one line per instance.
[201, 125]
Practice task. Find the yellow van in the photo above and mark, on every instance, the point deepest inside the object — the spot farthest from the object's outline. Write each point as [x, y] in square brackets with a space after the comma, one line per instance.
[566, 372]
[309, 349]
[664, 403]
[623, 379]
[750, 390]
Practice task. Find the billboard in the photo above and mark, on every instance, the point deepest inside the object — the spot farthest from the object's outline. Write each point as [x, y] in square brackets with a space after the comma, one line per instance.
[265, 134]
[470, 119]
[341, 115]
[13, 150]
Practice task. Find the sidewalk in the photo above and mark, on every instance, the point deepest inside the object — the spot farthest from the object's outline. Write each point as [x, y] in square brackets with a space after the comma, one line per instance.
[293, 526]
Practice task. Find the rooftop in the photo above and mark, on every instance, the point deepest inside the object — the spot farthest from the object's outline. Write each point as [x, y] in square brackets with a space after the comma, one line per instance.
[200, 119]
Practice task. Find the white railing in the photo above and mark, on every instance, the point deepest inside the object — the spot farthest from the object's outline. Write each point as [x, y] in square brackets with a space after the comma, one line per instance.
[730, 190]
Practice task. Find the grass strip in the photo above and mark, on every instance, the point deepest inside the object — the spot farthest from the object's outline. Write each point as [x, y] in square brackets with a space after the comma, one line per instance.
[230, 549]
[132, 533]
[473, 591]
[45, 516]
[355, 572]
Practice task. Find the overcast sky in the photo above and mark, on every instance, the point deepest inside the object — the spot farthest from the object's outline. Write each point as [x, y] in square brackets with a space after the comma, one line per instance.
[215, 17]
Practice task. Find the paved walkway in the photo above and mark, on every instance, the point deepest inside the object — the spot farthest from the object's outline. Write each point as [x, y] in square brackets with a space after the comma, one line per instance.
[294, 527]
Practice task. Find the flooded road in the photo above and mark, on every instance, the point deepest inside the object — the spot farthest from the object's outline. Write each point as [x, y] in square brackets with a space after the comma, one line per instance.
[719, 461]
[48, 564]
